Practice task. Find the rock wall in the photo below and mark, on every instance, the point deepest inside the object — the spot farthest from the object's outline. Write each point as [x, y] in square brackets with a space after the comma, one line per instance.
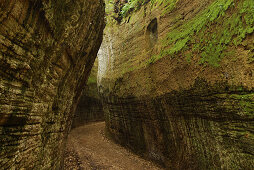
[89, 108]
[47, 49]
[176, 79]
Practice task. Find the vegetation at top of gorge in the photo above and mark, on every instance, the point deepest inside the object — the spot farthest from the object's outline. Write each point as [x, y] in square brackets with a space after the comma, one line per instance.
[133, 5]
[211, 35]
[127, 6]
[223, 23]
[123, 7]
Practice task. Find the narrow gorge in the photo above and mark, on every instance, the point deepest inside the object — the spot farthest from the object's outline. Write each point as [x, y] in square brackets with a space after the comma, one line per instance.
[173, 81]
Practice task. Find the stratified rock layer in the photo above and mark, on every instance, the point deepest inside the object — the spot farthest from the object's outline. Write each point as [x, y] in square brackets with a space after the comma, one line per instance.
[47, 49]
[89, 108]
[199, 128]
[177, 83]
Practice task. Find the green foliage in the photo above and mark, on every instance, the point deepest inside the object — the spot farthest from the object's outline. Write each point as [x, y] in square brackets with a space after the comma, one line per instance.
[92, 80]
[152, 60]
[166, 5]
[210, 32]
[131, 5]
[109, 8]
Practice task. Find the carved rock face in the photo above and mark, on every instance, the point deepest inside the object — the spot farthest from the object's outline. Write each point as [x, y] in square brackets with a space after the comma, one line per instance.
[172, 94]
[47, 49]
[89, 108]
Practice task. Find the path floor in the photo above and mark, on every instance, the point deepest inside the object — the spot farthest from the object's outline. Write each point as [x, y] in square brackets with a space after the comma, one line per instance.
[87, 148]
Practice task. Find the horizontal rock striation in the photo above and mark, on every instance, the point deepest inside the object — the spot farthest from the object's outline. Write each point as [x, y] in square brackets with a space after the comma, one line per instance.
[177, 83]
[89, 108]
[47, 49]
[199, 128]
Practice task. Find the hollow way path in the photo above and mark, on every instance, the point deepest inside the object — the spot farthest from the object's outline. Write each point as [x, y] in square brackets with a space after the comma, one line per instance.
[87, 148]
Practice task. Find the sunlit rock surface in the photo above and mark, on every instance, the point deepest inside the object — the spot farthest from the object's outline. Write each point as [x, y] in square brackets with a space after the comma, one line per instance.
[47, 49]
[177, 83]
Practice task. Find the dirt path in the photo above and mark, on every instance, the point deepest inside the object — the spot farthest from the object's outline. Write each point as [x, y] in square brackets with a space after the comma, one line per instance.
[87, 148]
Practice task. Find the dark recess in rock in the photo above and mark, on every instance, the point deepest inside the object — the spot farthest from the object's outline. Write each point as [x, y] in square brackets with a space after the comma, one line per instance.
[152, 32]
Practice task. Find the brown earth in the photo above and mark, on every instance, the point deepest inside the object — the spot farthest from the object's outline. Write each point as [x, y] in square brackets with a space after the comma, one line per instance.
[88, 148]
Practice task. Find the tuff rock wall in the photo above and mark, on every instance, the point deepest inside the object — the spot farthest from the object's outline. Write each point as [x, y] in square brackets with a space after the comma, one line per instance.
[47, 49]
[177, 82]
[89, 108]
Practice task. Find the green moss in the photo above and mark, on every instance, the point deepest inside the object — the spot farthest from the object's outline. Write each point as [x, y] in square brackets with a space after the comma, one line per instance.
[167, 5]
[211, 32]
[248, 107]
[152, 60]
[128, 68]
[130, 6]
[133, 5]
[188, 57]
[246, 102]
[92, 80]
[109, 8]
[251, 57]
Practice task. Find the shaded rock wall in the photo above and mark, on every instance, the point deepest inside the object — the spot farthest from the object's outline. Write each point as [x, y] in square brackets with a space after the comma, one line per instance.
[194, 129]
[177, 83]
[89, 108]
[47, 49]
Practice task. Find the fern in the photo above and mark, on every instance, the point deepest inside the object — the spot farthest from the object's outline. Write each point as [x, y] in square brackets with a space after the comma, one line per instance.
[168, 5]
[131, 5]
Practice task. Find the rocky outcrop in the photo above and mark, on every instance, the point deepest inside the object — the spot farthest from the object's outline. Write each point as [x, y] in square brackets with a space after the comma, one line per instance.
[89, 108]
[176, 78]
[47, 49]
